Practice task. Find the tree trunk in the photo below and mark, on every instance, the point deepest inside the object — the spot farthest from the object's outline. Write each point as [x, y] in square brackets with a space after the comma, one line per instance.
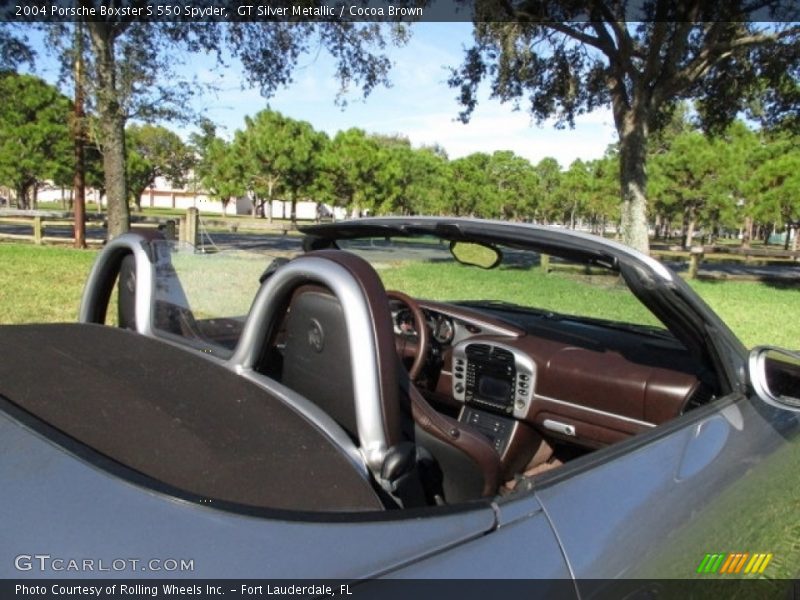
[79, 176]
[691, 223]
[747, 232]
[20, 193]
[112, 128]
[633, 181]
[270, 185]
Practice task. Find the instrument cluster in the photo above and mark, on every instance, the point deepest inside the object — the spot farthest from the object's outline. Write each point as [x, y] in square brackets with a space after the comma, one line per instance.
[442, 327]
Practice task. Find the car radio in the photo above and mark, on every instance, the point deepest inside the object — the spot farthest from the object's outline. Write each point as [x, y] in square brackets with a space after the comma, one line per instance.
[493, 377]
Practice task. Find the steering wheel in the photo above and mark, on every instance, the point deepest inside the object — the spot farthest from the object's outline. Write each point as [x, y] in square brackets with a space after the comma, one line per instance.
[420, 326]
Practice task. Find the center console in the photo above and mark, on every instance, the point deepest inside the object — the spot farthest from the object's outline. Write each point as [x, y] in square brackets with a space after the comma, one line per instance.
[495, 382]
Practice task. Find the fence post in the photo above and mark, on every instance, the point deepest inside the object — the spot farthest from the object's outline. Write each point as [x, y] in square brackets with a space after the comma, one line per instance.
[192, 226]
[169, 230]
[544, 262]
[37, 230]
[695, 260]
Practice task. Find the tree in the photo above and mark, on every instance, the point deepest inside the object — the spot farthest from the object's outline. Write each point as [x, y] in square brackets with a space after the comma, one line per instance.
[602, 204]
[548, 172]
[350, 166]
[133, 77]
[686, 181]
[740, 150]
[409, 180]
[154, 151]
[472, 191]
[217, 168]
[575, 189]
[514, 181]
[427, 181]
[34, 135]
[278, 155]
[776, 184]
[568, 58]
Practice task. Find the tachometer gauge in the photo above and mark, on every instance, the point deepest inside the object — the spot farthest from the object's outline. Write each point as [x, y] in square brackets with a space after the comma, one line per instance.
[444, 330]
[404, 322]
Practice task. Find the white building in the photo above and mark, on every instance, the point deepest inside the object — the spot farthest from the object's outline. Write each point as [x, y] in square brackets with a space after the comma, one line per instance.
[162, 194]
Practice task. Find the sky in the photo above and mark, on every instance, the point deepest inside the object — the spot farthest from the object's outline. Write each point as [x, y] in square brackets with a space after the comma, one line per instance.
[419, 105]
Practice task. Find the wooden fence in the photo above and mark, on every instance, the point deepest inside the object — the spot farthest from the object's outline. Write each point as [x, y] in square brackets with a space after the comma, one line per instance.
[185, 228]
[39, 221]
[696, 256]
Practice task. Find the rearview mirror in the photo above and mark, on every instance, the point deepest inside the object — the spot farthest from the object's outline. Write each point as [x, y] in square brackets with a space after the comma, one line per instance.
[477, 255]
[775, 376]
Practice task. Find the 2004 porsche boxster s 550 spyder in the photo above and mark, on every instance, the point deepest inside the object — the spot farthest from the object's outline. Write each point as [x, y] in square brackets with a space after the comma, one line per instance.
[522, 402]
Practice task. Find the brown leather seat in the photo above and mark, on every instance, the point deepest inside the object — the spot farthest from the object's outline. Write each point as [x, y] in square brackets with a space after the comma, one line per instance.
[318, 365]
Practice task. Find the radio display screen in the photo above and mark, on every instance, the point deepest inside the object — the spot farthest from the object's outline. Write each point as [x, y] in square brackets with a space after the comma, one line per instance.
[493, 389]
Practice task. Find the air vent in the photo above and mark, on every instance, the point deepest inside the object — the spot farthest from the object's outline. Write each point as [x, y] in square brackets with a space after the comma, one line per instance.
[503, 356]
[479, 351]
[486, 352]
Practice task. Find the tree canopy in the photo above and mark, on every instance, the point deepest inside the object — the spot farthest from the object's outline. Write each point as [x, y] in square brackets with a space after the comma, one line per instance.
[155, 151]
[128, 76]
[218, 169]
[34, 135]
[563, 59]
[14, 48]
[277, 155]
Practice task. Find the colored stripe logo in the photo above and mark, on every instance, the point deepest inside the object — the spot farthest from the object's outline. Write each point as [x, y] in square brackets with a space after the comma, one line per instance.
[734, 562]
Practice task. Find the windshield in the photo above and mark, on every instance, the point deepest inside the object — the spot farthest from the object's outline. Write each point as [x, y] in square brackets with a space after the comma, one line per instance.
[423, 267]
[204, 298]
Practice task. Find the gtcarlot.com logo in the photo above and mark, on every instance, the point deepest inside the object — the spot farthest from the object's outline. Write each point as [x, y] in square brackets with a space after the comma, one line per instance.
[45, 563]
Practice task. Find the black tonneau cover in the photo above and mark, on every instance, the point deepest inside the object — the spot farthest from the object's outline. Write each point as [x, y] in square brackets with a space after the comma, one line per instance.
[176, 417]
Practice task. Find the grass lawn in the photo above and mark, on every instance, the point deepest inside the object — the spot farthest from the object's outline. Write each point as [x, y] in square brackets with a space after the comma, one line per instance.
[41, 283]
[571, 293]
[759, 313]
[44, 284]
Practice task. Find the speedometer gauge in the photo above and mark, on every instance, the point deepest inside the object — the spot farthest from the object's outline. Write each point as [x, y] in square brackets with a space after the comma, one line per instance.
[444, 330]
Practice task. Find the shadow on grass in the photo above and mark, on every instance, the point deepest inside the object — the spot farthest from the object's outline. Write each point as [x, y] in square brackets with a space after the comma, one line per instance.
[778, 283]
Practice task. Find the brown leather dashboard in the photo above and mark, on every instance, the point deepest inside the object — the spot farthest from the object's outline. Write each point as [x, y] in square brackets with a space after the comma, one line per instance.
[605, 391]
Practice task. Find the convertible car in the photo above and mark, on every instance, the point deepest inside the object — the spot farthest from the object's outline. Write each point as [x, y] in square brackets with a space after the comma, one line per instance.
[397, 398]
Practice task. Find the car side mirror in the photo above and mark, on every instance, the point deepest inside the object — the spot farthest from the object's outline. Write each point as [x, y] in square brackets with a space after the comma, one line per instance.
[476, 255]
[775, 376]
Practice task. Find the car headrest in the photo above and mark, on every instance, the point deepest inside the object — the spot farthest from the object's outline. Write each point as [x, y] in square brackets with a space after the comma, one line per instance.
[373, 360]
